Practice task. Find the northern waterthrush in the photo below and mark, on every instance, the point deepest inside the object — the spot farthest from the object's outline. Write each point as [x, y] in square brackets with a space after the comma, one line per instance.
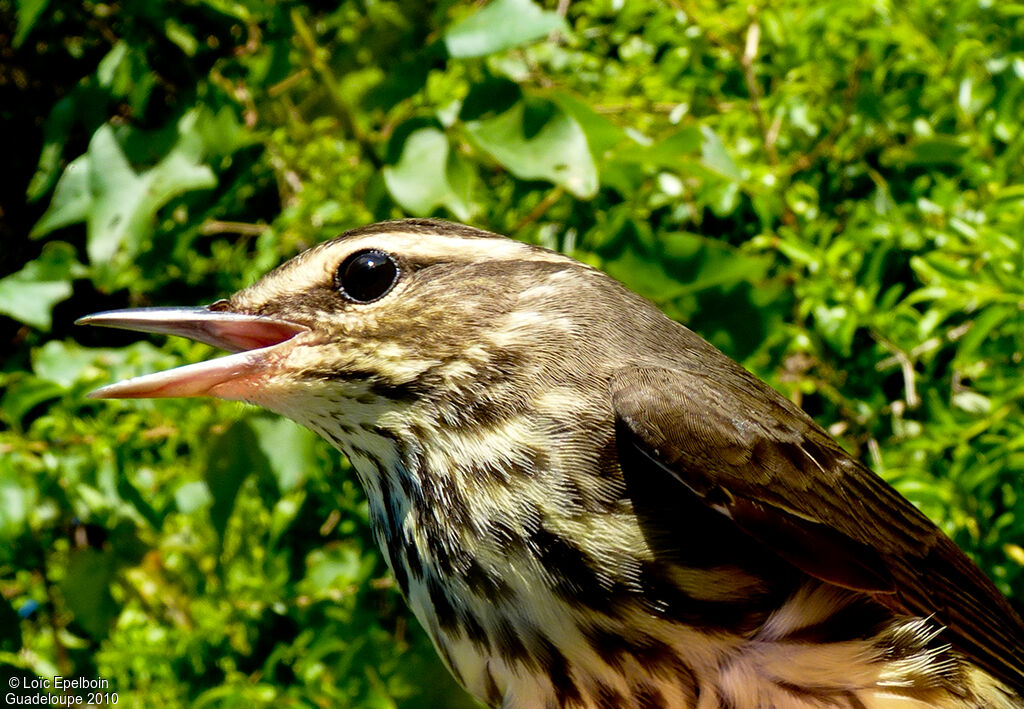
[585, 503]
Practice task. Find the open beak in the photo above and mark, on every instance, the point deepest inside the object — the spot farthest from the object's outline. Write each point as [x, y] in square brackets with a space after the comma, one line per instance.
[255, 340]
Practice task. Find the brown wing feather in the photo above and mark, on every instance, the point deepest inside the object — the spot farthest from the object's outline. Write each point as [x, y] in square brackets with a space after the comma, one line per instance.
[754, 456]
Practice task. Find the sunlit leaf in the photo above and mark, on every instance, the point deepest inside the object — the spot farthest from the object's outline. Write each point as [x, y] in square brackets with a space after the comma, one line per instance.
[192, 496]
[501, 24]
[68, 363]
[16, 500]
[556, 151]
[602, 134]
[428, 176]
[221, 132]
[289, 448]
[674, 152]
[30, 294]
[117, 203]
[715, 157]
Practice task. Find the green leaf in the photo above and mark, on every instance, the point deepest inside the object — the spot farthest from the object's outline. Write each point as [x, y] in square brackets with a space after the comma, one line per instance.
[642, 274]
[65, 363]
[677, 149]
[981, 329]
[290, 450]
[602, 134]
[71, 201]
[234, 455]
[714, 264]
[29, 295]
[130, 494]
[106, 70]
[221, 132]
[556, 151]
[935, 150]
[23, 393]
[125, 74]
[502, 24]
[972, 402]
[338, 565]
[715, 157]
[31, 302]
[16, 501]
[489, 97]
[118, 204]
[284, 513]
[837, 325]
[28, 13]
[422, 181]
[55, 135]
[68, 363]
[86, 590]
[181, 36]
[192, 496]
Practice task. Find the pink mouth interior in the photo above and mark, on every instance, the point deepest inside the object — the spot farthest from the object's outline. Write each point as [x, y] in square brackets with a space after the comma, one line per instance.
[241, 336]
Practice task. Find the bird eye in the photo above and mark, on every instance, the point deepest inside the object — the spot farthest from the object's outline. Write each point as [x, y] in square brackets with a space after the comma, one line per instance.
[366, 276]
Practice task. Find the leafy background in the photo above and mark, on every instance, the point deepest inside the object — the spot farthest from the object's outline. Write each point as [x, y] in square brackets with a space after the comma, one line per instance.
[830, 191]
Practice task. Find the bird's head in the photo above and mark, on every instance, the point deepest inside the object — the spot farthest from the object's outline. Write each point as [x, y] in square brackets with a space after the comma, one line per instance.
[393, 312]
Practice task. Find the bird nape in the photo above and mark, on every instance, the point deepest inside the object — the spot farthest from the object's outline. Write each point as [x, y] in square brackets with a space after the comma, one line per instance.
[586, 504]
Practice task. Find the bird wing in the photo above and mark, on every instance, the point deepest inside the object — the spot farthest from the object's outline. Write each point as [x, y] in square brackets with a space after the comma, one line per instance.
[755, 457]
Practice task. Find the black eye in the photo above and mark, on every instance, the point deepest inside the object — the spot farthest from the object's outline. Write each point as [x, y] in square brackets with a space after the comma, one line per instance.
[366, 276]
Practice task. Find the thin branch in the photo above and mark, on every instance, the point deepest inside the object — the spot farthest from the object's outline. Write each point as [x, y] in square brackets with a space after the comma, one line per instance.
[906, 368]
[543, 206]
[345, 113]
[286, 83]
[240, 93]
[214, 226]
[747, 62]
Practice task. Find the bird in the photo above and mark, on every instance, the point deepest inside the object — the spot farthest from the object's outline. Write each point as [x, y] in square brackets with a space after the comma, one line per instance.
[584, 503]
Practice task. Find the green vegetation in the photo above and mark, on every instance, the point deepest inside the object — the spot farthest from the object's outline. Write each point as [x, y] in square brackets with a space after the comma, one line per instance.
[832, 192]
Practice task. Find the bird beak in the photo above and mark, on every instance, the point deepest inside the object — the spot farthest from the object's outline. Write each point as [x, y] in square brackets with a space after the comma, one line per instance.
[254, 339]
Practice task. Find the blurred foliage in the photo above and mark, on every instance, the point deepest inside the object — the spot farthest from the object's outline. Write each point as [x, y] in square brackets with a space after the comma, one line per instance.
[832, 192]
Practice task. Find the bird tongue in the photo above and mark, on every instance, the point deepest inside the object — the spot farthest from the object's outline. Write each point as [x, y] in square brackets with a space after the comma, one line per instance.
[253, 339]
